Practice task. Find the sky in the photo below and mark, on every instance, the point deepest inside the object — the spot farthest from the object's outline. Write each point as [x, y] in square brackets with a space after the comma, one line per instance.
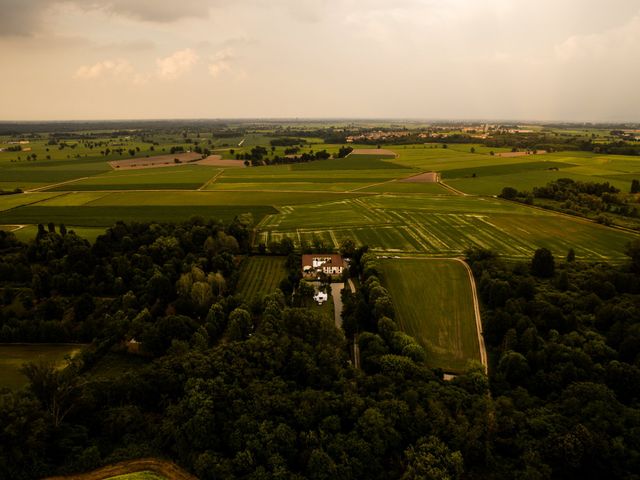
[545, 60]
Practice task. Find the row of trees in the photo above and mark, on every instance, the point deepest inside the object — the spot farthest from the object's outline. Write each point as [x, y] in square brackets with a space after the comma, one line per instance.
[600, 201]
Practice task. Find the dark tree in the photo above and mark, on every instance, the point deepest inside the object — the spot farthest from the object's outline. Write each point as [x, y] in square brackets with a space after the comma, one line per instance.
[543, 264]
[571, 255]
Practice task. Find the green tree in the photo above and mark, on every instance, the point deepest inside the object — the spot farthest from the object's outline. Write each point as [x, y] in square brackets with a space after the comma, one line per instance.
[431, 459]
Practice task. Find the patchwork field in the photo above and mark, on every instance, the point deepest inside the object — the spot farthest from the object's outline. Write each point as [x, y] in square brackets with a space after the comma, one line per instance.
[434, 304]
[260, 275]
[365, 196]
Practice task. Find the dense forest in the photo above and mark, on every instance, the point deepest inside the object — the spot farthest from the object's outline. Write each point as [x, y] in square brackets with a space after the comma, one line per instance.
[268, 389]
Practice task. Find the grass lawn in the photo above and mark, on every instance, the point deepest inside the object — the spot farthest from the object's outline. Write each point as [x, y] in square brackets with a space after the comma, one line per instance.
[434, 304]
[260, 275]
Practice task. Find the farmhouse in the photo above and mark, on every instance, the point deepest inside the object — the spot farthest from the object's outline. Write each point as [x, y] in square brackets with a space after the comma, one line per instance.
[327, 263]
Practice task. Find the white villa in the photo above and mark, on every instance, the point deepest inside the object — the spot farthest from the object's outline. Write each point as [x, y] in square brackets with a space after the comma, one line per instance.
[327, 263]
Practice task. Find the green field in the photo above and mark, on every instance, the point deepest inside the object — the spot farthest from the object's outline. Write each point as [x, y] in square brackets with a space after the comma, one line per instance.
[351, 162]
[139, 476]
[104, 216]
[187, 177]
[12, 357]
[360, 197]
[434, 304]
[444, 226]
[260, 275]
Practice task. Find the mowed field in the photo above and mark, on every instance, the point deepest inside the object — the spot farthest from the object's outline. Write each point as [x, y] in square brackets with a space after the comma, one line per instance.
[433, 301]
[260, 275]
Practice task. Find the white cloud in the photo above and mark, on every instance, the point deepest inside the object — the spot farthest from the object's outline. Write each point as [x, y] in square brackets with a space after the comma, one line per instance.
[177, 64]
[618, 43]
[120, 69]
[221, 62]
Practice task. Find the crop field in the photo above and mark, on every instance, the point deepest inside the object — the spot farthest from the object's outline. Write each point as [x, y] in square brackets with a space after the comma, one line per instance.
[351, 162]
[537, 170]
[434, 304]
[7, 202]
[360, 196]
[12, 357]
[443, 226]
[186, 198]
[94, 216]
[511, 168]
[260, 276]
[188, 177]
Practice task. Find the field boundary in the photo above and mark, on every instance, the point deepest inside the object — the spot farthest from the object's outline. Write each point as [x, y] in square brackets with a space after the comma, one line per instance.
[161, 467]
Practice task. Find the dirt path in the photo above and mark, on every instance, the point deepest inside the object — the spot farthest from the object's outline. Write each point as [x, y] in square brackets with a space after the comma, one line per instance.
[210, 181]
[46, 187]
[370, 185]
[451, 189]
[162, 467]
[476, 309]
[14, 228]
[336, 288]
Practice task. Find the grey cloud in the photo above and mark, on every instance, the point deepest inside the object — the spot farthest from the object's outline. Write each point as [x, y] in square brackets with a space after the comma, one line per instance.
[21, 17]
[158, 11]
[27, 17]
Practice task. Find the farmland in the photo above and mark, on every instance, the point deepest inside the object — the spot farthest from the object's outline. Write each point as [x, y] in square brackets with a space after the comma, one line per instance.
[443, 226]
[361, 196]
[260, 276]
[434, 304]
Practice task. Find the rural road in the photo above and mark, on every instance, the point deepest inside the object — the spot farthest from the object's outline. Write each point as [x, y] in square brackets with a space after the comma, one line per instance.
[336, 288]
[476, 309]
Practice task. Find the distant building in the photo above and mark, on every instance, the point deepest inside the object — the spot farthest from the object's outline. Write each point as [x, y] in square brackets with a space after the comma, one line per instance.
[327, 263]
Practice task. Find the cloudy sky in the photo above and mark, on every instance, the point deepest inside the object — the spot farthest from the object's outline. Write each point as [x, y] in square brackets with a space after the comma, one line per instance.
[459, 59]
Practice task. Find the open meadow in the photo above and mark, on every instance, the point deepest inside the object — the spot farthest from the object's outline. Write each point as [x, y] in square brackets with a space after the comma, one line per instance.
[434, 304]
